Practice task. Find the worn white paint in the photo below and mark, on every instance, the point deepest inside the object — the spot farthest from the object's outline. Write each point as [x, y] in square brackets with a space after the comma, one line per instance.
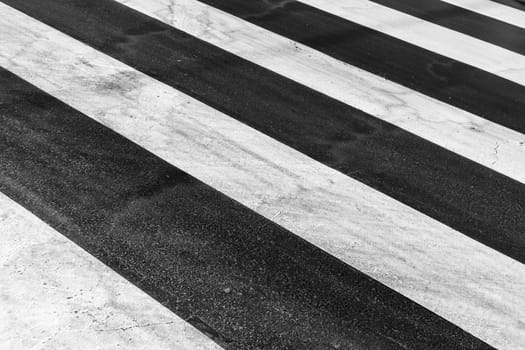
[54, 295]
[469, 284]
[493, 9]
[447, 42]
[466, 134]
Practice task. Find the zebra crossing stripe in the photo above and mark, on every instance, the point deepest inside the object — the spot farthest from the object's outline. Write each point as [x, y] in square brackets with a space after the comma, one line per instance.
[492, 9]
[242, 163]
[57, 296]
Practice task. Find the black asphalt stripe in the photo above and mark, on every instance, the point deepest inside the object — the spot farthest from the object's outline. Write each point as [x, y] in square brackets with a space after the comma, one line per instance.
[474, 200]
[462, 20]
[512, 3]
[242, 279]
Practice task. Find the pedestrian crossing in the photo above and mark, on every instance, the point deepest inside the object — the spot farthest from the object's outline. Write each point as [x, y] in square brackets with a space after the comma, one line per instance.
[449, 127]
[63, 298]
[460, 20]
[516, 4]
[506, 62]
[492, 9]
[267, 188]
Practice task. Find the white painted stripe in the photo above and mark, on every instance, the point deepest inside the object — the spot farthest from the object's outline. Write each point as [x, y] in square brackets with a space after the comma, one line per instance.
[492, 9]
[475, 287]
[447, 42]
[466, 134]
[54, 295]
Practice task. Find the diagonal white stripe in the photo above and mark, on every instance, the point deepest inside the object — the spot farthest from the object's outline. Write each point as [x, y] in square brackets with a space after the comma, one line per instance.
[56, 296]
[462, 280]
[447, 42]
[466, 134]
[492, 9]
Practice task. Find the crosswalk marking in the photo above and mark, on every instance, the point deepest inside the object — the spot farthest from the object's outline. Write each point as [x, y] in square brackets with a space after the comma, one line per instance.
[443, 78]
[462, 20]
[231, 273]
[461, 47]
[492, 9]
[452, 128]
[518, 4]
[447, 187]
[253, 284]
[56, 296]
[343, 231]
